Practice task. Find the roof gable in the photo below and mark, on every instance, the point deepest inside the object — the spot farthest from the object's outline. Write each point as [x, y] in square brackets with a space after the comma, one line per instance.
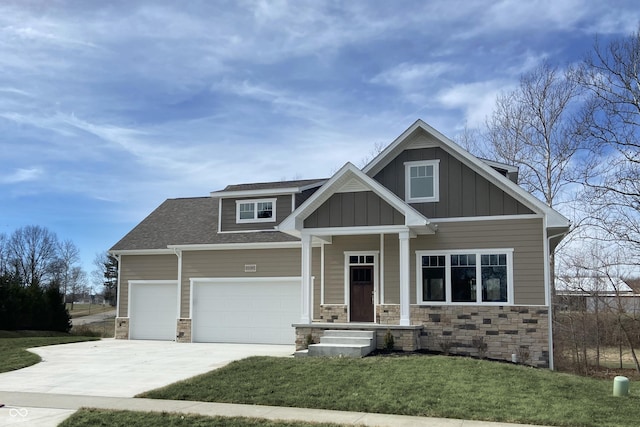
[421, 135]
[349, 179]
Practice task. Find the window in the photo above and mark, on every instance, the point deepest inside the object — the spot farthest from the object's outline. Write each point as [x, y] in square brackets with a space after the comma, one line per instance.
[255, 210]
[421, 181]
[480, 276]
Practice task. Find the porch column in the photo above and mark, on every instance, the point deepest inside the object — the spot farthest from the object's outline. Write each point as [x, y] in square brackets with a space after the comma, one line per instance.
[305, 316]
[405, 288]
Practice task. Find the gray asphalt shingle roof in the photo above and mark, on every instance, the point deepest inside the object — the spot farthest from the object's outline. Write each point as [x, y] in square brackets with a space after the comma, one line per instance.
[188, 221]
[269, 185]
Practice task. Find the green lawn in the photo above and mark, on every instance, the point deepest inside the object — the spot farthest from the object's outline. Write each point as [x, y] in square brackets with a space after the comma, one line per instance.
[81, 310]
[434, 386]
[96, 417]
[13, 345]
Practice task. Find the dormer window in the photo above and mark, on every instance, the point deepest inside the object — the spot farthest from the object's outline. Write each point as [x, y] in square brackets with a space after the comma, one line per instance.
[421, 181]
[262, 210]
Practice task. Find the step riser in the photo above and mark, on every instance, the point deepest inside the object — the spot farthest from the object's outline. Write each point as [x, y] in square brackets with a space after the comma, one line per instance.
[345, 340]
[333, 351]
[355, 334]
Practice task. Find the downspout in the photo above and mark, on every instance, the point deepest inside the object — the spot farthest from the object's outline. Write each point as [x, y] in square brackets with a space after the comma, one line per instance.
[118, 287]
[549, 296]
[178, 253]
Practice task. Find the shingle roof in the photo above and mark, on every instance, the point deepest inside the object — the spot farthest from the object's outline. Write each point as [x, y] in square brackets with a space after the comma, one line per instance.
[270, 185]
[185, 222]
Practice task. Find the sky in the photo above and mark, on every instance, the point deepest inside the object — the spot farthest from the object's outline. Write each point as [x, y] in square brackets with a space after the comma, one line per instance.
[107, 108]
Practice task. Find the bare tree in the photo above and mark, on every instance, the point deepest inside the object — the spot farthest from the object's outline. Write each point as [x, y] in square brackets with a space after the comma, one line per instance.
[65, 266]
[32, 253]
[611, 121]
[4, 254]
[106, 275]
[532, 127]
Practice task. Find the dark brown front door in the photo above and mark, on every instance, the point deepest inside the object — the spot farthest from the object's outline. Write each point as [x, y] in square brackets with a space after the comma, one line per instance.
[361, 299]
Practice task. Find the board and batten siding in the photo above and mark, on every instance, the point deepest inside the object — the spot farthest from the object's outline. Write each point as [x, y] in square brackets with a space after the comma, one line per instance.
[228, 214]
[231, 263]
[354, 209]
[144, 267]
[463, 193]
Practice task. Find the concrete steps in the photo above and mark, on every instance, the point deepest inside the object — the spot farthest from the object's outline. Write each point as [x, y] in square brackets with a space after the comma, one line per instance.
[344, 343]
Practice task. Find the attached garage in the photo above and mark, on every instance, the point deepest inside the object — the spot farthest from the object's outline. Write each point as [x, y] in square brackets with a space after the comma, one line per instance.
[153, 309]
[245, 310]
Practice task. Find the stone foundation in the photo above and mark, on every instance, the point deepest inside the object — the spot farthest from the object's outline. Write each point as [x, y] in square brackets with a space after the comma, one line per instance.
[122, 328]
[333, 313]
[183, 330]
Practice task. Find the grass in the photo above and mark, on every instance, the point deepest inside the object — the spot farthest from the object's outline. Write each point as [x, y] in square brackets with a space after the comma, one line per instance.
[81, 310]
[434, 386]
[13, 345]
[98, 417]
[105, 329]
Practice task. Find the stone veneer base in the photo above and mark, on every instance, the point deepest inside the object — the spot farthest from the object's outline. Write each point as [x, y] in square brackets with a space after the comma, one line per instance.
[494, 332]
[122, 328]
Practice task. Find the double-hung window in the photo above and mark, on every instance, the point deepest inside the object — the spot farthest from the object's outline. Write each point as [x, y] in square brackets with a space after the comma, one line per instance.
[263, 210]
[422, 181]
[470, 276]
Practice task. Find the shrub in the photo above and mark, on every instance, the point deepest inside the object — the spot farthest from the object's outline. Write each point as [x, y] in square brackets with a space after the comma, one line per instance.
[389, 341]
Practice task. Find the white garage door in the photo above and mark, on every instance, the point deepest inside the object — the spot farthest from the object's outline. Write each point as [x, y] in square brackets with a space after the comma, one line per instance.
[153, 310]
[258, 310]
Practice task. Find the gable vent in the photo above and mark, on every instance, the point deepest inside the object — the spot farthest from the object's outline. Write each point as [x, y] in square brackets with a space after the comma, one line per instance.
[352, 186]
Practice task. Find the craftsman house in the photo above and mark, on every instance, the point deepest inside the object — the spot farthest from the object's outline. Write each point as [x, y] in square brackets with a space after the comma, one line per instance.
[427, 241]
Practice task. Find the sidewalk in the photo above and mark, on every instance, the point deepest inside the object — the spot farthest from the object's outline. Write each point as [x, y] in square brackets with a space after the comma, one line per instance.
[45, 410]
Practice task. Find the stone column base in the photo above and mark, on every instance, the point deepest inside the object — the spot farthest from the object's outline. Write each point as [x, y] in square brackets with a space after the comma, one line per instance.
[183, 330]
[122, 328]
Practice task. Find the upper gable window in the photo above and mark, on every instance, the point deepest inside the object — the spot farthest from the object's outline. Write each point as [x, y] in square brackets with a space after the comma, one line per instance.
[421, 181]
[263, 210]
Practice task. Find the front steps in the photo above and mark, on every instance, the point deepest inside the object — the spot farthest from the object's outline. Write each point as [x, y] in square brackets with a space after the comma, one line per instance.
[344, 343]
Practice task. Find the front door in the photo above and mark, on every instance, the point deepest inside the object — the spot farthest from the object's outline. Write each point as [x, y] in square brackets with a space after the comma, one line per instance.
[361, 295]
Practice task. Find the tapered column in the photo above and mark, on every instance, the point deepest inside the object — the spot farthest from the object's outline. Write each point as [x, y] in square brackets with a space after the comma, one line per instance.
[306, 280]
[405, 288]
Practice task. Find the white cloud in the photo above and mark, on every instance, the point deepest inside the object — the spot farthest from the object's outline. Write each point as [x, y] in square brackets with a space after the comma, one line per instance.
[412, 76]
[21, 175]
[476, 100]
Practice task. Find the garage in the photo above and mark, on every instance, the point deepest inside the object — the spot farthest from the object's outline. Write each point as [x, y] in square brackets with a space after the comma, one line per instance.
[241, 310]
[153, 310]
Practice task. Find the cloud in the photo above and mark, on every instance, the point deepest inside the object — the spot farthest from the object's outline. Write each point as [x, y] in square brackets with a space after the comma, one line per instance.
[22, 175]
[476, 100]
[412, 76]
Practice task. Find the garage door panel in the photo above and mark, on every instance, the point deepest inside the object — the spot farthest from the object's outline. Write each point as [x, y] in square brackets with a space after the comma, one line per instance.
[153, 311]
[258, 311]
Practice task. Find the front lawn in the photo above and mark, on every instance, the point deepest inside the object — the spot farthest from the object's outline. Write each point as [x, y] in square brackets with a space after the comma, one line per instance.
[98, 417]
[433, 386]
[13, 345]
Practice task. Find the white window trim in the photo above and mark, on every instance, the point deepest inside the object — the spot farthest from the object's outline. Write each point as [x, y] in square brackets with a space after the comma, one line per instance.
[347, 279]
[255, 210]
[478, 253]
[436, 181]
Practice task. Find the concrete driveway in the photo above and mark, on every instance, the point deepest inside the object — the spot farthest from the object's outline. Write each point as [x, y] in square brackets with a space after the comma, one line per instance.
[122, 368]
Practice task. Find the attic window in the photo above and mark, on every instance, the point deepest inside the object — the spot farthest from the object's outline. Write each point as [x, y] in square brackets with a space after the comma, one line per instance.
[262, 210]
[422, 181]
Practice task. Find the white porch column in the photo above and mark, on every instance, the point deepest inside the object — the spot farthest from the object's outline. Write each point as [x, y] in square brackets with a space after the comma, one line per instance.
[305, 316]
[405, 288]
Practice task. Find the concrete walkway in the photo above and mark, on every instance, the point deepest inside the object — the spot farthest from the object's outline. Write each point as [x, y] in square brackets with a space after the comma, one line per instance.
[48, 410]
